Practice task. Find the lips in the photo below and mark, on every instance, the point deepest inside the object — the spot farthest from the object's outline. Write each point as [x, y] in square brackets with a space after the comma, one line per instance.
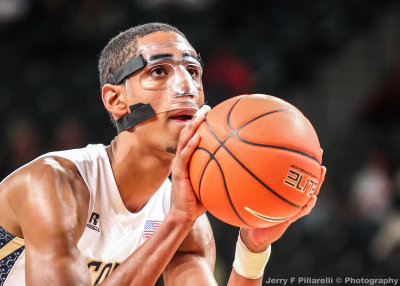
[183, 115]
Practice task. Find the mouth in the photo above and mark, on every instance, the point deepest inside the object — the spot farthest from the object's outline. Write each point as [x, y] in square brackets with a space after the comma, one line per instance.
[183, 115]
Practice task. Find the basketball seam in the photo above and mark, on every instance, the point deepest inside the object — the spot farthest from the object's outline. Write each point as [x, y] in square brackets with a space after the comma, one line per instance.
[235, 133]
[223, 179]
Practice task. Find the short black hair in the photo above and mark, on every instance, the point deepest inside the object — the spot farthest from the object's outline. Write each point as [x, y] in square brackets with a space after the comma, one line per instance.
[123, 47]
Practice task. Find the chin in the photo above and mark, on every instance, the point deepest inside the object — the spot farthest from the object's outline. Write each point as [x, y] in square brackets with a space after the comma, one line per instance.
[171, 150]
[172, 143]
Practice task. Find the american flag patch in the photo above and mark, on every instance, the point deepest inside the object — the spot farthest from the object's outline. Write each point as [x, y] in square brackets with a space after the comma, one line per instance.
[150, 227]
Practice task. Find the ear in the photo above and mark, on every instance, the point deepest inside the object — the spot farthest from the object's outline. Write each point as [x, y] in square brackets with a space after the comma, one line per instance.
[114, 100]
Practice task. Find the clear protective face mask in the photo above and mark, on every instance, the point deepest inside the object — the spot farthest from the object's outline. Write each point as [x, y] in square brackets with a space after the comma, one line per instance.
[172, 70]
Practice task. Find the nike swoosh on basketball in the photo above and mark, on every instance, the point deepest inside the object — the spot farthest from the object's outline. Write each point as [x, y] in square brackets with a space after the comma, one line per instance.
[264, 217]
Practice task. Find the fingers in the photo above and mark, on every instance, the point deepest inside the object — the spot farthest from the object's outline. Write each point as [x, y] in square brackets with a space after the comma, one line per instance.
[312, 201]
[321, 180]
[309, 206]
[187, 151]
[322, 177]
[305, 210]
[191, 128]
[203, 110]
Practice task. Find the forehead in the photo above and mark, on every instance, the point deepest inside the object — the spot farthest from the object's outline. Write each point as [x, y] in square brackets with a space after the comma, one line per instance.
[164, 43]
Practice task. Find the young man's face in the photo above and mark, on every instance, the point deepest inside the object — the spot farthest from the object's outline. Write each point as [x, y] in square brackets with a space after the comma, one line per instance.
[170, 83]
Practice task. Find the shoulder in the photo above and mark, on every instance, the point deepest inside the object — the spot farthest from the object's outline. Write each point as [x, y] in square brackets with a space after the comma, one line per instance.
[44, 172]
[50, 191]
[53, 177]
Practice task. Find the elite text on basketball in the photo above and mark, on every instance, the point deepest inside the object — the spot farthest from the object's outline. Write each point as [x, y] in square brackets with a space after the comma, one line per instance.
[301, 180]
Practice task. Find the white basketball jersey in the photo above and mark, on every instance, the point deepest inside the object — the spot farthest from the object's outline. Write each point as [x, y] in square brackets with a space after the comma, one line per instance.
[112, 233]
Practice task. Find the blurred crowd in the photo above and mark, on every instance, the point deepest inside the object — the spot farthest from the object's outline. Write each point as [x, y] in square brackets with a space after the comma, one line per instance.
[50, 100]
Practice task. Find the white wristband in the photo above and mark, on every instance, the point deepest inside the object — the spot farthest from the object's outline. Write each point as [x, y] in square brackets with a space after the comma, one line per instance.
[250, 264]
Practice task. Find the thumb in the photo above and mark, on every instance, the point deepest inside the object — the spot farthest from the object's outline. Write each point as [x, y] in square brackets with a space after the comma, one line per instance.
[321, 180]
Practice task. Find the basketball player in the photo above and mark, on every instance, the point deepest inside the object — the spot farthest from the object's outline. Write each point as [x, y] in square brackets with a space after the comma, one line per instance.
[109, 215]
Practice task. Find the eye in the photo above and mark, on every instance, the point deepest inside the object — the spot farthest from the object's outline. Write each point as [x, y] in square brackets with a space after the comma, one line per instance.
[194, 71]
[158, 71]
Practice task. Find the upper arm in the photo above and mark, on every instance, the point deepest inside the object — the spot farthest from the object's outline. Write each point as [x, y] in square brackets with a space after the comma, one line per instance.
[50, 202]
[193, 263]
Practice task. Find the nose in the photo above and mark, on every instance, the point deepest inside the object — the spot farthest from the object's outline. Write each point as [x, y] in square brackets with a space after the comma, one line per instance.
[184, 84]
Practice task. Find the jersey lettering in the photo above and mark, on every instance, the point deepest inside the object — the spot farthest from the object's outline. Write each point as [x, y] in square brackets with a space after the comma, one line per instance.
[99, 270]
[93, 218]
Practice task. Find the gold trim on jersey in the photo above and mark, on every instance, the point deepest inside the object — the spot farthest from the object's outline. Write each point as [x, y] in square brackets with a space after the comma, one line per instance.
[13, 245]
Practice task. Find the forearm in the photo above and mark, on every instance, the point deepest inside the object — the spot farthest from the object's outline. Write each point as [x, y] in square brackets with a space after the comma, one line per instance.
[189, 269]
[148, 262]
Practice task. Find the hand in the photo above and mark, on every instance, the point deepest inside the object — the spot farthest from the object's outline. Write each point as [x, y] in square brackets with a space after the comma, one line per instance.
[184, 199]
[258, 239]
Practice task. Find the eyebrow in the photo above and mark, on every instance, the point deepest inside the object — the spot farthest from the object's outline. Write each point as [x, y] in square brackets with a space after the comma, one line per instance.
[185, 55]
[197, 57]
[160, 56]
[170, 56]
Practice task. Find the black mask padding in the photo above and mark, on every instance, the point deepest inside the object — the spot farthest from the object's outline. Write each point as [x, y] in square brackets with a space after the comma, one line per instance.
[139, 113]
[126, 69]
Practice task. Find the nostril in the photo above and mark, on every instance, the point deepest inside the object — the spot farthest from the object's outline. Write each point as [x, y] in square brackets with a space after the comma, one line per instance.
[182, 93]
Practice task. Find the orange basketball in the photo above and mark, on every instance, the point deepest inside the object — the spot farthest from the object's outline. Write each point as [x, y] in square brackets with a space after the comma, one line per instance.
[258, 162]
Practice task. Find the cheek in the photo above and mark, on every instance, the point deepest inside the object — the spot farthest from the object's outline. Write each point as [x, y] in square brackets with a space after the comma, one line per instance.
[139, 95]
[201, 98]
[157, 99]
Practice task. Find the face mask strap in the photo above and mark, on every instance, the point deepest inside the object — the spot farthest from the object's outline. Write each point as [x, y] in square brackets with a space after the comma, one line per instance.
[126, 69]
[139, 113]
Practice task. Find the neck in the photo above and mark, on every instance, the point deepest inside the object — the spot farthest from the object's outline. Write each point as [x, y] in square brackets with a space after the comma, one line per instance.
[138, 172]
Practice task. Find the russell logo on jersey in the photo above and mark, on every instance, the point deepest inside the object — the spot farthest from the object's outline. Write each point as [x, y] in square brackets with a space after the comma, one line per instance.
[93, 222]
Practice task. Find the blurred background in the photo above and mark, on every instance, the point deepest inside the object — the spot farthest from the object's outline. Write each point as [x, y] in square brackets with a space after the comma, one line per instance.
[337, 61]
